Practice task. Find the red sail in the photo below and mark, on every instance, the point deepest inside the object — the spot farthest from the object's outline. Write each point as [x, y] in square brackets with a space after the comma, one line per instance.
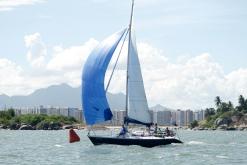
[73, 137]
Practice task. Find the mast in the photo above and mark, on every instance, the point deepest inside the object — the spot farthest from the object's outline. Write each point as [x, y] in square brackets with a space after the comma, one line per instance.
[127, 75]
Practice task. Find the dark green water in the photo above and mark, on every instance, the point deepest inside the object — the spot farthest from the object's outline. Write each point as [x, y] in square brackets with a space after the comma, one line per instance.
[52, 147]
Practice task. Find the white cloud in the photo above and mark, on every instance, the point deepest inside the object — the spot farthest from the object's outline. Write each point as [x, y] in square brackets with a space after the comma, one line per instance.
[71, 58]
[63, 66]
[37, 49]
[192, 82]
[236, 82]
[6, 5]
[11, 76]
[67, 63]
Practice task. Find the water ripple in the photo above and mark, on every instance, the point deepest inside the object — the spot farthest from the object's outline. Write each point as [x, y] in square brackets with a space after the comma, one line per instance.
[52, 148]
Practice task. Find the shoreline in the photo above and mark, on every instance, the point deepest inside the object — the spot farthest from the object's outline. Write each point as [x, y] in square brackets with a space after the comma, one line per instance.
[83, 127]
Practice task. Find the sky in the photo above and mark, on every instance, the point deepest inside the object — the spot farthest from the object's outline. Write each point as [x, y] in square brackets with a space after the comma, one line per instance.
[190, 50]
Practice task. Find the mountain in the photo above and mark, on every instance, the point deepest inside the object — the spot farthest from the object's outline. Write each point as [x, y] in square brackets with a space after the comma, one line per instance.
[63, 95]
[159, 107]
[57, 95]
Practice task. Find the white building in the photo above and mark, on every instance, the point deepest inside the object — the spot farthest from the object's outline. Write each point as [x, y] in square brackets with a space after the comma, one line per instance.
[199, 115]
[118, 117]
[64, 111]
[173, 118]
[163, 118]
[180, 118]
[189, 117]
[76, 113]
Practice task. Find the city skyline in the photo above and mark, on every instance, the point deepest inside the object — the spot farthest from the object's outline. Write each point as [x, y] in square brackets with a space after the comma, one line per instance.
[190, 51]
[161, 117]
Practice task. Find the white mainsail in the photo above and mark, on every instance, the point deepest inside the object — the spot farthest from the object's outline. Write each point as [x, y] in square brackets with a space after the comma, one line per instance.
[137, 101]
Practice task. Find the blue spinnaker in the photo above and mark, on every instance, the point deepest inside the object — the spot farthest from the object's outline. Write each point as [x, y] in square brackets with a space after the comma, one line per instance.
[94, 102]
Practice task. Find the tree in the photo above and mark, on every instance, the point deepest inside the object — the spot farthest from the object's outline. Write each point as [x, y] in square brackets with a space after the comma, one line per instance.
[224, 107]
[194, 124]
[242, 107]
[230, 106]
[209, 112]
[7, 115]
[217, 101]
[245, 110]
[241, 100]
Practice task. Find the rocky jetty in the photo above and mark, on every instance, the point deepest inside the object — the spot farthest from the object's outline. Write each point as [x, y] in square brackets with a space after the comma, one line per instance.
[222, 122]
[26, 127]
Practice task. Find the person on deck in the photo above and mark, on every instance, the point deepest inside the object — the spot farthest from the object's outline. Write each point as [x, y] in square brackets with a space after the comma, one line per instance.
[149, 129]
[167, 132]
[155, 128]
[123, 131]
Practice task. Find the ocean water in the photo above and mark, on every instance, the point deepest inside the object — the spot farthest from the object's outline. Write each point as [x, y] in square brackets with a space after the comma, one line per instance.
[53, 148]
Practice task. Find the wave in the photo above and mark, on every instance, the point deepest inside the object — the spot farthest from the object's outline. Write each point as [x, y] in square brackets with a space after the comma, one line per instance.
[196, 143]
[58, 145]
[222, 156]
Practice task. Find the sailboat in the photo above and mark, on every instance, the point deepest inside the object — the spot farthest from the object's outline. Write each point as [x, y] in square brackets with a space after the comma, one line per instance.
[94, 101]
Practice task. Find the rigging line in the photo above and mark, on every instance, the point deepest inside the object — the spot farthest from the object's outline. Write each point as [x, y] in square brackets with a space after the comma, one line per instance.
[116, 61]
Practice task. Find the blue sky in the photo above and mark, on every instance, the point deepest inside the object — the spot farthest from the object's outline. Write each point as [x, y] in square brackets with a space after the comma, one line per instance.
[178, 27]
[181, 30]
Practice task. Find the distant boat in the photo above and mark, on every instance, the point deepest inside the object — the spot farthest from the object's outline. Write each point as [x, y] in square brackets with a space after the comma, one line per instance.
[94, 101]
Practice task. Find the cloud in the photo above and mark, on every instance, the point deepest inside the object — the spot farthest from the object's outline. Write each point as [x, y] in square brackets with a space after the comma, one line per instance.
[236, 82]
[7, 5]
[68, 62]
[173, 84]
[15, 80]
[70, 58]
[64, 65]
[37, 49]
[192, 82]
[11, 76]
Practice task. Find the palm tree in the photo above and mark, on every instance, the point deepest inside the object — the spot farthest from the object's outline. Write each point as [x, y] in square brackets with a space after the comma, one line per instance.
[241, 100]
[209, 112]
[245, 110]
[230, 105]
[217, 101]
[242, 103]
[224, 107]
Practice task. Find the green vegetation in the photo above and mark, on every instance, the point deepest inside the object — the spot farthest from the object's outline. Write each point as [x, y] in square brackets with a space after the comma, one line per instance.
[6, 116]
[194, 124]
[225, 114]
[8, 119]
